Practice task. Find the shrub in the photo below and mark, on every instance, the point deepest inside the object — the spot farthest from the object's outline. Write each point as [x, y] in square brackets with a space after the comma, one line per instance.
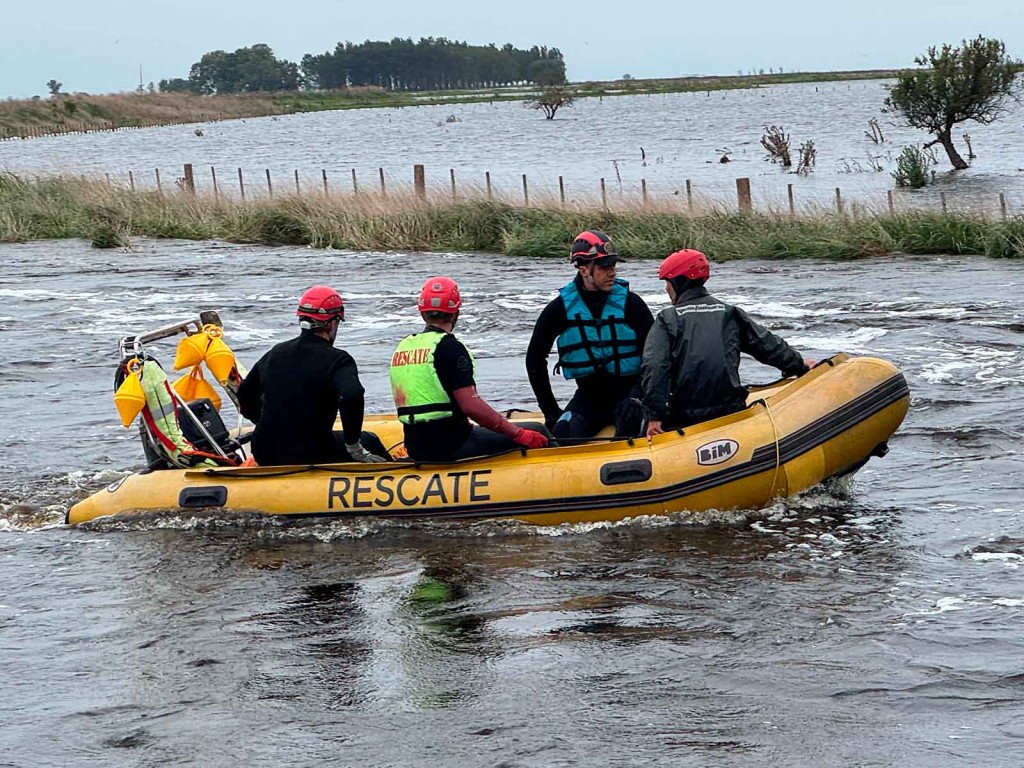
[912, 168]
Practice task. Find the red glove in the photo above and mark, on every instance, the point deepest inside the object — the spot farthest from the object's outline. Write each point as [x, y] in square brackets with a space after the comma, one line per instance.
[529, 438]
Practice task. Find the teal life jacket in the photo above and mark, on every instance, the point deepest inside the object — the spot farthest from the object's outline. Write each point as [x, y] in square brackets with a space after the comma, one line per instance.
[605, 344]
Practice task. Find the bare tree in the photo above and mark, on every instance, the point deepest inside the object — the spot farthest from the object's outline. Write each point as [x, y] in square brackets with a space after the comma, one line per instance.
[776, 141]
[874, 131]
[808, 156]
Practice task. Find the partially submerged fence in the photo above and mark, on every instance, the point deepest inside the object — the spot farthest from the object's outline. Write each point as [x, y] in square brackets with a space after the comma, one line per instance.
[236, 184]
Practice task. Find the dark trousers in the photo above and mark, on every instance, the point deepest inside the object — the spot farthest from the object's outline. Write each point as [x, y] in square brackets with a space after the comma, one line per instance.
[681, 420]
[484, 442]
[585, 418]
[369, 441]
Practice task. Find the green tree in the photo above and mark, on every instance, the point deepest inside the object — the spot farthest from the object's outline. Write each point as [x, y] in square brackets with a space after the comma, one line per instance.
[551, 100]
[54, 87]
[547, 72]
[247, 69]
[176, 85]
[972, 82]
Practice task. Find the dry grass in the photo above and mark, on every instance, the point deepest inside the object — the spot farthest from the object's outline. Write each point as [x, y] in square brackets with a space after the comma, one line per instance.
[110, 216]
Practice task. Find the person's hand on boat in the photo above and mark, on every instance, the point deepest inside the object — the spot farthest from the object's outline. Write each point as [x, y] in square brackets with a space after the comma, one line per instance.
[653, 428]
[810, 363]
[358, 453]
[529, 438]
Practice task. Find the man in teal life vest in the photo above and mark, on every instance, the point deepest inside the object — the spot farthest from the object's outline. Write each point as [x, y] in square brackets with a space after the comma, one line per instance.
[600, 326]
[435, 392]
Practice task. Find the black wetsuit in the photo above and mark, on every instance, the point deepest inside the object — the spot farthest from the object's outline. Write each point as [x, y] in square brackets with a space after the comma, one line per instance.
[294, 393]
[601, 398]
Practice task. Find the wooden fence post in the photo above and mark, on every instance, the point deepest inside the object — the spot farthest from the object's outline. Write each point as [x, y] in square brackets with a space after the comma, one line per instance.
[526, 192]
[942, 201]
[241, 184]
[131, 181]
[743, 195]
[327, 191]
[159, 186]
[383, 187]
[839, 202]
[1002, 205]
[892, 202]
[419, 181]
[355, 183]
[190, 180]
[490, 192]
[213, 175]
[689, 196]
[561, 190]
[792, 204]
[270, 184]
[452, 172]
[604, 195]
[298, 189]
[643, 191]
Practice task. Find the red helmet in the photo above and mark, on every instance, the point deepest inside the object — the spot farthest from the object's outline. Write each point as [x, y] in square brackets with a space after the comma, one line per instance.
[688, 263]
[322, 304]
[590, 246]
[440, 294]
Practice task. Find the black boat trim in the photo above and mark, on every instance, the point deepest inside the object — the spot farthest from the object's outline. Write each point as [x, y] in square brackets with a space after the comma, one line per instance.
[806, 439]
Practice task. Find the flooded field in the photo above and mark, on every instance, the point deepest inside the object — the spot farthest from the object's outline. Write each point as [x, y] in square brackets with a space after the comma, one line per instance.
[664, 139]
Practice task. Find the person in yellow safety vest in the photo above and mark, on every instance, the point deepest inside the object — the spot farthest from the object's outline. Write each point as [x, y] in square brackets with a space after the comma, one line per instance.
[435, 392]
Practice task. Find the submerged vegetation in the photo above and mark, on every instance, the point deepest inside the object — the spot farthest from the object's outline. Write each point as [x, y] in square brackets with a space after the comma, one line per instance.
[109, 216]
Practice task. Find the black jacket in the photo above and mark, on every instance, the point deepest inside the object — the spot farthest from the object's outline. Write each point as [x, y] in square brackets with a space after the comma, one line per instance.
[691, 362]
[599, 388]
[294, 393]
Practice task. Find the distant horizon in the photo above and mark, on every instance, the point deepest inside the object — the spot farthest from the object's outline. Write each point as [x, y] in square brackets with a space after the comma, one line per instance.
[99, 47]
[570, 80]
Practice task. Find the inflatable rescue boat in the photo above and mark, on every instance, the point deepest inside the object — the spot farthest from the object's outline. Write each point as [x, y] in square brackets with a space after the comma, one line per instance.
[793, 435]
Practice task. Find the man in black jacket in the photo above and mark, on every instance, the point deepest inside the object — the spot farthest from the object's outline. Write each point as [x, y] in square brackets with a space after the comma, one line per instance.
[691, 360]
[601, 327]
[296, 390]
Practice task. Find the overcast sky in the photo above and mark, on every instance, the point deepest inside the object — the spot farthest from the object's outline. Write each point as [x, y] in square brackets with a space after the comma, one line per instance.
[98, 45]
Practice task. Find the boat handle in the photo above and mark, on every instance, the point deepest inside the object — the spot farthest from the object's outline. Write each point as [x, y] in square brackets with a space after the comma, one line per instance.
[203, 496]
[620, 472]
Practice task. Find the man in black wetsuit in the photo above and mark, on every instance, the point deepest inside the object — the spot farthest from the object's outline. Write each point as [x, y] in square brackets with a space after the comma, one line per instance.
[692, 356]
[296, 390]
[601, 327]
[435, 393]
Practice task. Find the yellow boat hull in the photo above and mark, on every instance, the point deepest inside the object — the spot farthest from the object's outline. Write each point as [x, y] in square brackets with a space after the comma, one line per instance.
[793, 436]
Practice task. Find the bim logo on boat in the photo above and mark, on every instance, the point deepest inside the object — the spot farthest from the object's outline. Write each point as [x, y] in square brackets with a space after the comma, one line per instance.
[717, 452]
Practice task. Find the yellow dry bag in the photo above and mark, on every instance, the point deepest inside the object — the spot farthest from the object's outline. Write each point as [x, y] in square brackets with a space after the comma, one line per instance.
[194, 386]
[129, 397]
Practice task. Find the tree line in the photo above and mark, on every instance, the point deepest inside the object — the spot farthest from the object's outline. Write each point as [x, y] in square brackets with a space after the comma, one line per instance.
[429, 64]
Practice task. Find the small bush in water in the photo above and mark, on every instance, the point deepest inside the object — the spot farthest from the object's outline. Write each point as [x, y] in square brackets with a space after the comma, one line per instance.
[912, 167]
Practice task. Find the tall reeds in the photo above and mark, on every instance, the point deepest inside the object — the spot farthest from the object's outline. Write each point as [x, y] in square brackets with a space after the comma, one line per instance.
[109, 216]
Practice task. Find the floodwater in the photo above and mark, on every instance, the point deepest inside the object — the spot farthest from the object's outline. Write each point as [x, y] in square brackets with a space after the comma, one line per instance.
[664, 139]
[876, 623]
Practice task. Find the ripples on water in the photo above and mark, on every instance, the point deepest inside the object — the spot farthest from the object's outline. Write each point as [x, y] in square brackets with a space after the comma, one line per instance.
[871, 622]
[682, 136]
